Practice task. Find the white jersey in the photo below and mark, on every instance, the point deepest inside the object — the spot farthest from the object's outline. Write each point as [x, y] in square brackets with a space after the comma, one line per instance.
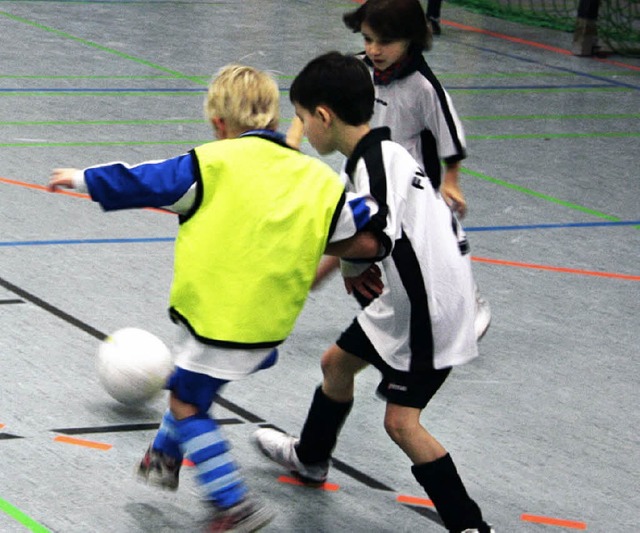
[421, 116]
[424, 317]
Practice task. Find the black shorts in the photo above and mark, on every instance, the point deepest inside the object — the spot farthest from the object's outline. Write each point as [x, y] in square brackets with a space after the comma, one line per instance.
[410, 389]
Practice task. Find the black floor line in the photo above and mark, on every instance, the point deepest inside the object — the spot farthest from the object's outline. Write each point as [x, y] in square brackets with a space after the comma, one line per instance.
[53, 310]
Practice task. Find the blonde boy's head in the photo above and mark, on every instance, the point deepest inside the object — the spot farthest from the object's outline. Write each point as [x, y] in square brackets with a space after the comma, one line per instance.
[244, 97]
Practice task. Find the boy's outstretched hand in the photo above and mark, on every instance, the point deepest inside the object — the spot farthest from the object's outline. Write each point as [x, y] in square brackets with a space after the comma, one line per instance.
[62, 178]
[369, 283]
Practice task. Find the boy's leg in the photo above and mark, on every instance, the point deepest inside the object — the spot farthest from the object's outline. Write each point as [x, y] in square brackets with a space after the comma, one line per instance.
[433, 15]
[434, 469]
[330, 406]
[161, 463]
[309, 456]
[200, 438]
[442, 483]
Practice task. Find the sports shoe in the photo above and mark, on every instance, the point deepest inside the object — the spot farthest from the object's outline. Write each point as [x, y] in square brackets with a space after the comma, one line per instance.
[280, 447]
[489, 530]
[159, 470]
[483, 316]
[248, 515]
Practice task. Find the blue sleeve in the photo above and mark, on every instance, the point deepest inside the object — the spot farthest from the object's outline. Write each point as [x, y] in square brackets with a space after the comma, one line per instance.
[150, 184]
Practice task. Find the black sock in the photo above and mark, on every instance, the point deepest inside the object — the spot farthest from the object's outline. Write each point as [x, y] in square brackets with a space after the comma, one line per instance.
[442, 483]
[320, 431]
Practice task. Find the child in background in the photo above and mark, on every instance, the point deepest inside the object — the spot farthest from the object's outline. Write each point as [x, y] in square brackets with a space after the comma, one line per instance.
[419, 327]
[246, 254]
[412, 103]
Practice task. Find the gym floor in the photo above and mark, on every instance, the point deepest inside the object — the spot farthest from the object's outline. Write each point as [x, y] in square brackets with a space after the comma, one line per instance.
[543, 426]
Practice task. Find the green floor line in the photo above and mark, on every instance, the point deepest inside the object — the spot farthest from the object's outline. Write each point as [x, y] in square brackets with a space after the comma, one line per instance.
[594, 116]
[102, 94]
[88, 144]
[19, 516]
[130, 122]
[529, 90]
[512, 75]
[195, 121]
[206, 77]
[97, 46]
[540, 195]
[611, 134]
[125, 122]
[92, 77]
[106, 94]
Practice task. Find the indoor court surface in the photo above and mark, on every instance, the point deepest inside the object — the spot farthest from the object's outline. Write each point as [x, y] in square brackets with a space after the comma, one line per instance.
[543, 426]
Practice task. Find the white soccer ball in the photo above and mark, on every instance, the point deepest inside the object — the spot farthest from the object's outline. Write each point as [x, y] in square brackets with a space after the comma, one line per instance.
[133, 365]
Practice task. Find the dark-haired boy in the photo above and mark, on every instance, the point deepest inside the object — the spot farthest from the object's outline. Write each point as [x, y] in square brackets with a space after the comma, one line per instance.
[422, 323]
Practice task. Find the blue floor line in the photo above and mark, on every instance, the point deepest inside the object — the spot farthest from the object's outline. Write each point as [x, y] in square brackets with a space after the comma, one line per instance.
[171, 239]
[553, 226]
[87, 241]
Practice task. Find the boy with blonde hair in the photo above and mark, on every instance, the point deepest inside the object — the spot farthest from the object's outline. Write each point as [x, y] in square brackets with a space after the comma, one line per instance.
[255, 218]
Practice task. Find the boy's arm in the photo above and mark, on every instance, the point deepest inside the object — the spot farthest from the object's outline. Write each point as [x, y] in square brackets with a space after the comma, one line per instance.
[363, 245]
[451, 191]
[120, 186]
[295, 133]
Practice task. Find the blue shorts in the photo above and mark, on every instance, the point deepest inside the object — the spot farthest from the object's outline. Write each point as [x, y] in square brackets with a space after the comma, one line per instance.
[194, 388]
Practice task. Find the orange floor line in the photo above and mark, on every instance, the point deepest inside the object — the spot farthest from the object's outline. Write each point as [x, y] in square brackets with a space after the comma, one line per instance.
[578, 271]
[294, 481]
[413, 500]
[553, 521]
[67, 193]
[82, 442]
[41, 187]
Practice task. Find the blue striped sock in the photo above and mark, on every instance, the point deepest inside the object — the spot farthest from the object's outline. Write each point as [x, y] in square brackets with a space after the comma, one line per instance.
[202, 441]
[167, 438]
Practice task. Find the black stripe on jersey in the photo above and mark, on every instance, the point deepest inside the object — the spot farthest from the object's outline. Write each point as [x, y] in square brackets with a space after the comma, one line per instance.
[369, 149]
[430, 158]
[336, 213]
[453, 130]
[420, 332]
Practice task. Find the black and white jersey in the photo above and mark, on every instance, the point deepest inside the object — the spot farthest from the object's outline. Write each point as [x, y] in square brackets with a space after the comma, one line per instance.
[424, 317]
[421, 116]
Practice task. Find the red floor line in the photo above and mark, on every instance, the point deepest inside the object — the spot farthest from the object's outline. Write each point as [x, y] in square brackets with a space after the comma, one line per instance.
[563, 270]
[549, 521]
[507, 37]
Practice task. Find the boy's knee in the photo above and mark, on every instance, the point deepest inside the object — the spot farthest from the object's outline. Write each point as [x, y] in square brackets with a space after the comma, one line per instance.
[398, 426]
[331, 363]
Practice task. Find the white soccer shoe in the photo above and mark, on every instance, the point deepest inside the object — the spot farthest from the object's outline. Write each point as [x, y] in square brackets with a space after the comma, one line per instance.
[483, 316]
[280, 447]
